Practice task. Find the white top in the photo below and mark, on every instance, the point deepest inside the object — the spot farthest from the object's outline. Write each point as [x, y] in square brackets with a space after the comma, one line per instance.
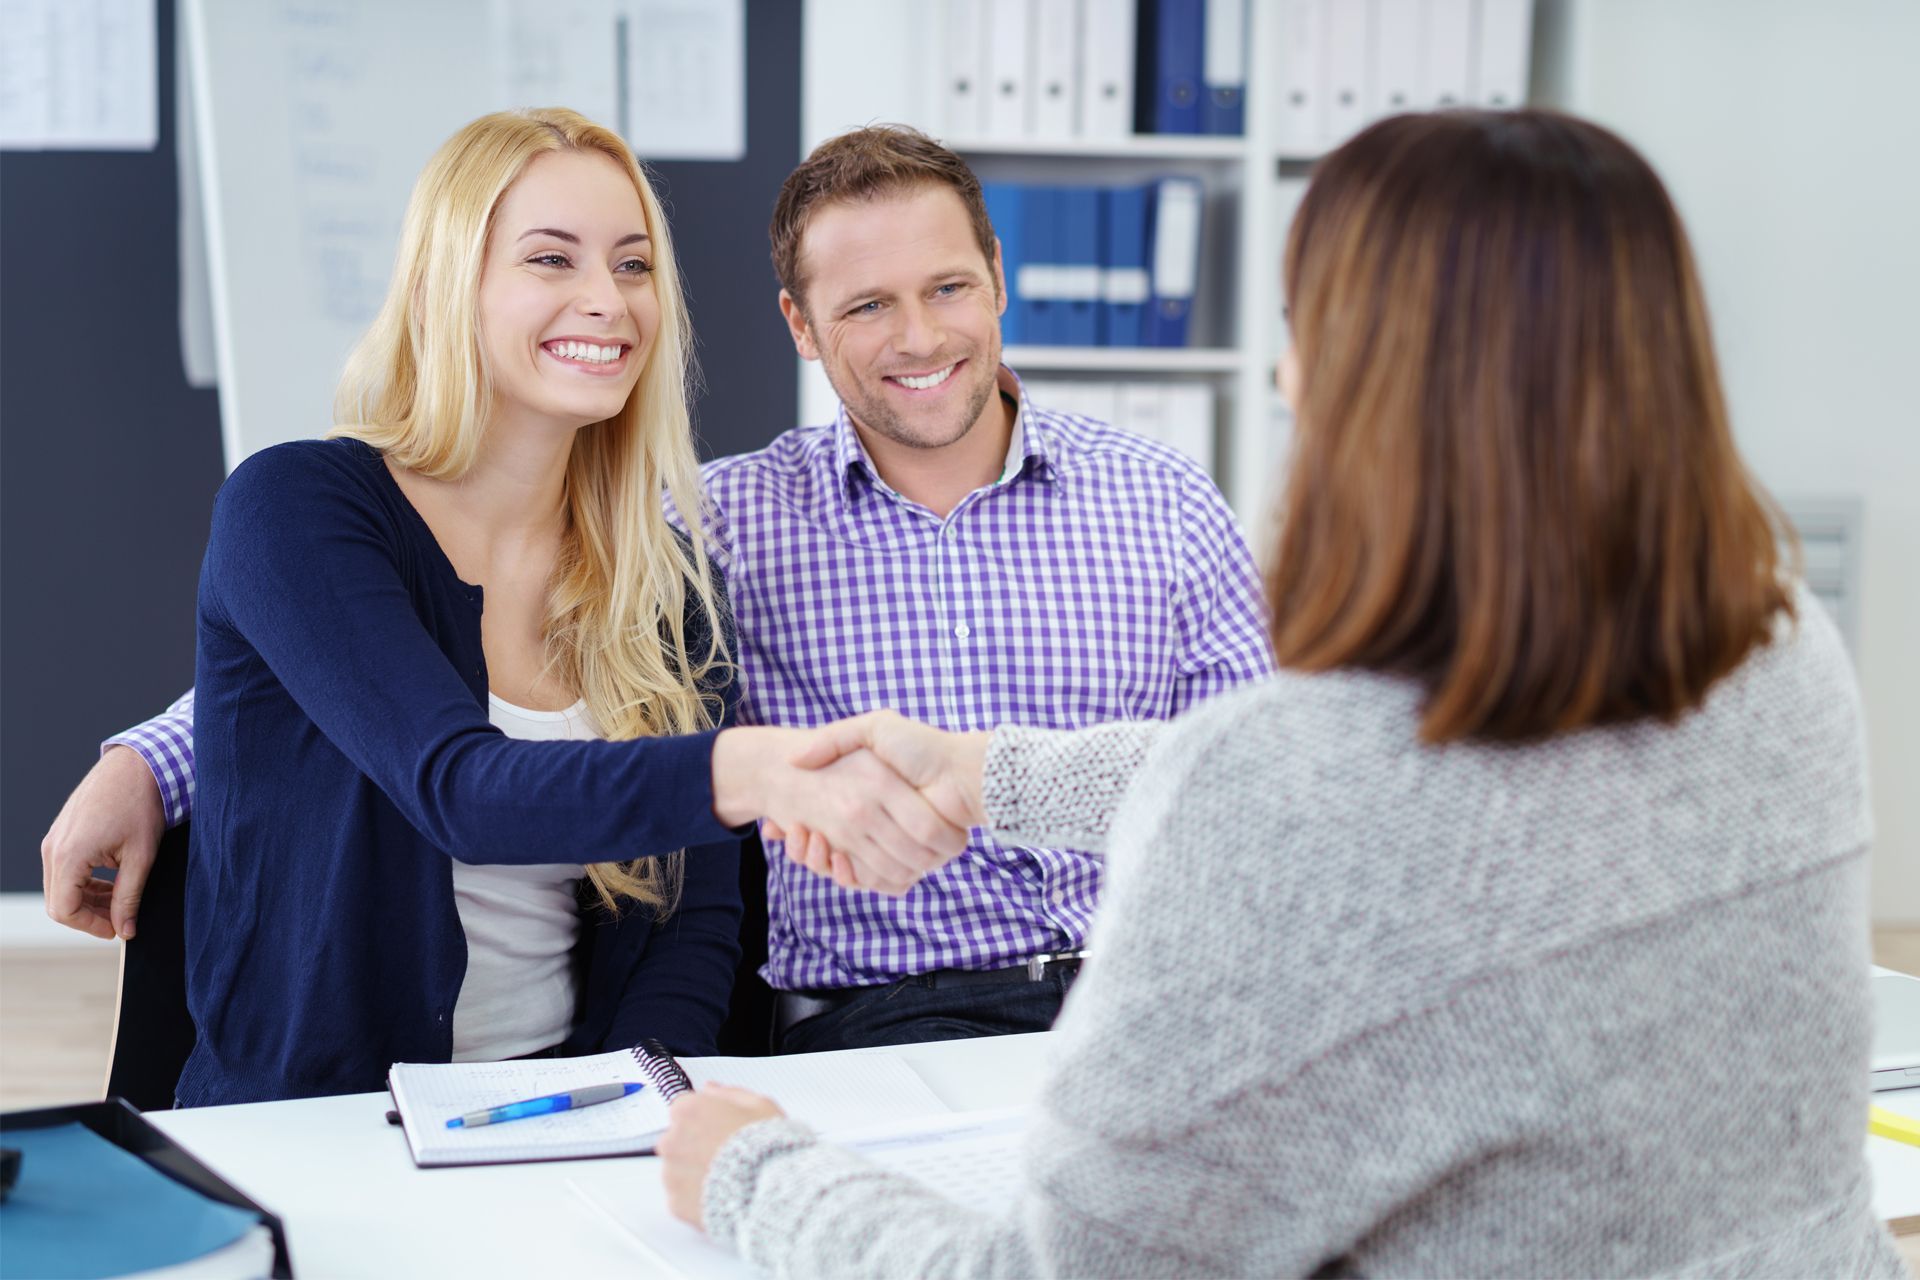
[521, 924]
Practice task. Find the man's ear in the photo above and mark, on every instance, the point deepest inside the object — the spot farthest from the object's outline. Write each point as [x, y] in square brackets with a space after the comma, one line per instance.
[796, 317]
[1000, 278]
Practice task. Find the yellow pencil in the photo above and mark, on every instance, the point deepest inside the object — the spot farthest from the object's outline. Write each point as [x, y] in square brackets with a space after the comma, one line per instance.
[1891, 1124]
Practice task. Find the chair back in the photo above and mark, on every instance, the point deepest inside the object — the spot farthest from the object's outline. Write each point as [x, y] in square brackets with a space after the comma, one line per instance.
[748, 1030]
[153, 1033]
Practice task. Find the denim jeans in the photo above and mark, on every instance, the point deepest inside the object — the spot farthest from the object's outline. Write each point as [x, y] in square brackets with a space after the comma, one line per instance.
[908, 1012]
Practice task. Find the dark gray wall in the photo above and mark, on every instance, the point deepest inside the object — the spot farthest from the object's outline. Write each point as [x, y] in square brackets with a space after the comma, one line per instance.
[109, 461]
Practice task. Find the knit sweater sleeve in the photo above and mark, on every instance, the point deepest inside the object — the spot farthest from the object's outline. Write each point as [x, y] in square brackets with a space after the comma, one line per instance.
[1101, 1157]
[1059, 788]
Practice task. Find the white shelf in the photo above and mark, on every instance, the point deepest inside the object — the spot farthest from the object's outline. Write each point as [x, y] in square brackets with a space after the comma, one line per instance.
[1150, 146]
[1125, 359]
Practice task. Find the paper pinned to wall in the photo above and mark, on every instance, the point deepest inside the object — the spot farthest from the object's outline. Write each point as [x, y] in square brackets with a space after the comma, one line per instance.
[686, 79]
[199, 354]
[558, 53]
[79, 75]
[669, 75]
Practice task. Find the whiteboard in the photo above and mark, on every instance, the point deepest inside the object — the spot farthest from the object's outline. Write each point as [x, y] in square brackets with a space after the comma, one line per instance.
[311, 122]
[312, 118]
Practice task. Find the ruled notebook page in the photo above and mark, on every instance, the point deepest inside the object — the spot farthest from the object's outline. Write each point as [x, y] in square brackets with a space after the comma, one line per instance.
[430, 1095]
[825, 1091]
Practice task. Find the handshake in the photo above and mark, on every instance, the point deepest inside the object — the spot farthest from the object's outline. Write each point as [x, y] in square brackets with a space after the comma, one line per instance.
[875, 802]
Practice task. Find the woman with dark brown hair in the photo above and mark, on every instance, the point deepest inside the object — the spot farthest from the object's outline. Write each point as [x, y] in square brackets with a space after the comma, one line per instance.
[1518, 925]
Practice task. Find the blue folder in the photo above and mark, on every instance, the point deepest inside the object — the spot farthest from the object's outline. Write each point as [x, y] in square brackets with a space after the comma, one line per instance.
[1174, 215]
[1079, 236]
[1006, 210]
[1170, 64]
[1044, 246]
[1125, 284]
[1223, 90]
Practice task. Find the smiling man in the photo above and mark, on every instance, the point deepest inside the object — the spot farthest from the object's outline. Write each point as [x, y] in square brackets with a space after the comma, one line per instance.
[943, 548]
[947, 549]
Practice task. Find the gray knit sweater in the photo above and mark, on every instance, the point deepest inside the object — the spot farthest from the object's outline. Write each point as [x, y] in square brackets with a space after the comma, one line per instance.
[1591, 1007]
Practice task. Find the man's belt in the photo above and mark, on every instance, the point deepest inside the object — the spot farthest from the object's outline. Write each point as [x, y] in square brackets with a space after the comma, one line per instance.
[795, 1007]
[1034, 969]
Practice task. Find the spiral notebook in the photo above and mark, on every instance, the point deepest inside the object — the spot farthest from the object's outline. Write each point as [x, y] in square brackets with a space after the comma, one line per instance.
[830, 1091]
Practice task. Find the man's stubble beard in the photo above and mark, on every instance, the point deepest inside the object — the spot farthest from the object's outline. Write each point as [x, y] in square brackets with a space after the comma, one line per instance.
[877, 416]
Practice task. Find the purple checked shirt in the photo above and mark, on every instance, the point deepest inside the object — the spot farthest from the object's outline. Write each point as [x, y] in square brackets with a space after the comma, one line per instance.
[1101, 578]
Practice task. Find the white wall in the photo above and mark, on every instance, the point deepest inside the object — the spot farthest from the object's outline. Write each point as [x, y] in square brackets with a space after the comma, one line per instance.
[1789, 136]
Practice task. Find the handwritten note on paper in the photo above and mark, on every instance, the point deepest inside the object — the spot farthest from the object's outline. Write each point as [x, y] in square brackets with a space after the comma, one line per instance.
[558, 53]
[79, 75]
[348, 216]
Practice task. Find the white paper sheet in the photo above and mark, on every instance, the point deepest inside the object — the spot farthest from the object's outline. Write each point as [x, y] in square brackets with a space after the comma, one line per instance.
[636, 1204]
[199, 354]
[686, 79]
[78, 75]
[970, 1157]
[558, 53]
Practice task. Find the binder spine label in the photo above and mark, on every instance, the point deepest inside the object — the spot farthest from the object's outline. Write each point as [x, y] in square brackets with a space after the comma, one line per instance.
[1126, 286]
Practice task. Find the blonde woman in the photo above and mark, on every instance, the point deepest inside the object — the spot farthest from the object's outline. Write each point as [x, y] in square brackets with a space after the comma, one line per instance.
[383, 866]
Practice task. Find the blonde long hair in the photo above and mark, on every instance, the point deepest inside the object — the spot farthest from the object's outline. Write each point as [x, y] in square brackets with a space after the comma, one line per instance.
[417, 388]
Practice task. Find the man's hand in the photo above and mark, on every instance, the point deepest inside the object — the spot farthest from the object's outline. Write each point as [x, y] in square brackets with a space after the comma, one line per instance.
[113, 819]
[698, 1125]
[946, 768]
[888, 834]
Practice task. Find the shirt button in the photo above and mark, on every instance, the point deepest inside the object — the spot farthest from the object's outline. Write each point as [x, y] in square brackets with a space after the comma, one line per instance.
[949, 533]
[963, 631]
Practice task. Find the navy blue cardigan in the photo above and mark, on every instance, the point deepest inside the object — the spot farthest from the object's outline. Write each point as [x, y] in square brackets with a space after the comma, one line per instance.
[345, 757]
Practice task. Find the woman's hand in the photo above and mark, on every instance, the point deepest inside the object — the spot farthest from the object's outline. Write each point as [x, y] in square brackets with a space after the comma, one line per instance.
[946, 768]
[888, 833]
[698, 1125]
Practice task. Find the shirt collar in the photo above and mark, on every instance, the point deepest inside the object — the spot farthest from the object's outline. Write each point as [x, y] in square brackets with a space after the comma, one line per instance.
[1027, 450]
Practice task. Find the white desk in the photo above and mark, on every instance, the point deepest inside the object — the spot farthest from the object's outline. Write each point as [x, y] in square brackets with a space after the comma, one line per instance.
[341, 1180]
[353, 1203]
[1896, 1166]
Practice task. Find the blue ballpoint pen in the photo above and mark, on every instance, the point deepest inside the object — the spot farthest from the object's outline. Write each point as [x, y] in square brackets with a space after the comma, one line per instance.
[546, 1106]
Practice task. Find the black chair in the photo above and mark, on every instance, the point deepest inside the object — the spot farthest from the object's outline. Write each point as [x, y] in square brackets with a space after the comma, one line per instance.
[152, 1033]
[748, 1030]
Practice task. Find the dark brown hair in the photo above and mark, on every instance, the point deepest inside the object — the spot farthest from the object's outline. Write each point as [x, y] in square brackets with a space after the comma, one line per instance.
[873, 163]
[1513, 478]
